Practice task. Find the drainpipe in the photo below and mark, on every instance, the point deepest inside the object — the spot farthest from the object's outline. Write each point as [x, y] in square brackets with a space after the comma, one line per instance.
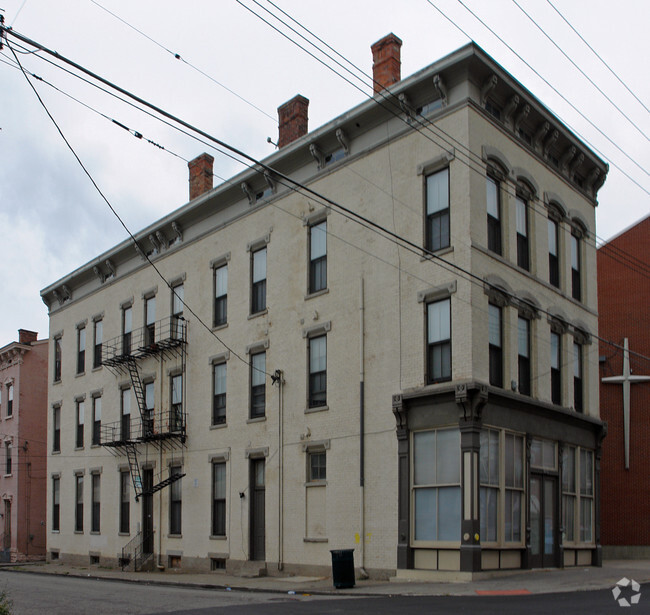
[362, 507]
[160, 461]
[280, 380]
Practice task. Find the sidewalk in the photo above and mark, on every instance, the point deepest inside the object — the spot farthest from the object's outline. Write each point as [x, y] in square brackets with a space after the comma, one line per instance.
[526, 581]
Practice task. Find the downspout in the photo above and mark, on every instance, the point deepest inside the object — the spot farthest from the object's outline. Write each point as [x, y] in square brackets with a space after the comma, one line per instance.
[160, 457]
[362, 508]
[280, 380]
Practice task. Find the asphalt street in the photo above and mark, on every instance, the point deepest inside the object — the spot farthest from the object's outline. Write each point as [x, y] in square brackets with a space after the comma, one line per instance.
[35, 594]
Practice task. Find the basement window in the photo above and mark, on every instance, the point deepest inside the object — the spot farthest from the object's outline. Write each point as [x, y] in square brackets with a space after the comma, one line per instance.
[174, 561]
[94, 560]
[217, 563]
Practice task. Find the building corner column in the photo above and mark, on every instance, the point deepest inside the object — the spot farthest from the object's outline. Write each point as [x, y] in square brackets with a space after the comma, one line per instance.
[470, 404]
[404, 550]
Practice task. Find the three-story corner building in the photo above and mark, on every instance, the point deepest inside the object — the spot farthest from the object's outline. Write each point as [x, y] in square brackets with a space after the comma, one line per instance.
[23, 419]
[412, 377]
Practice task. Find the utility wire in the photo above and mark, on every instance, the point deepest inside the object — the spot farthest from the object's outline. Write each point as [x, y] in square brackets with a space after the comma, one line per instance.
[137, 134]
[358, 218]
[390, 105]
[552, 87]
[179, 57]
[607, 66]
[549, 84]
[135, 241]
[536, 209]
[580, 70]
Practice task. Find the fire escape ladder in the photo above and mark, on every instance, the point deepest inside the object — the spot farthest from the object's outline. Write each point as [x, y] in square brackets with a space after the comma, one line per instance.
[165, 483]
[138, 389]
[134, 467]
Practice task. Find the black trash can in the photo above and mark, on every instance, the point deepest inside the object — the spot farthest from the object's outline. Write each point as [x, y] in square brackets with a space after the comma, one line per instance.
[342, 568]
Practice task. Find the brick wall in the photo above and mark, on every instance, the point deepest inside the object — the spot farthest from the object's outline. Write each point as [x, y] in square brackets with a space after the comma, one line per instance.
[623, 300]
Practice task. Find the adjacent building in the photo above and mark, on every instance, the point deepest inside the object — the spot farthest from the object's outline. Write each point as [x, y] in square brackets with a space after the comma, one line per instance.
[623, 300]
[394, 356]
[23, 421]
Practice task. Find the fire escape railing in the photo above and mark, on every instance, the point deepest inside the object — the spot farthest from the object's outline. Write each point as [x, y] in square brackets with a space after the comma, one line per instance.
[164, 429]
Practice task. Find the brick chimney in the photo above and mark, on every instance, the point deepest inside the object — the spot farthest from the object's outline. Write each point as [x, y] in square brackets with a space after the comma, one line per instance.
[292, 120]
[26, 337]
[200, 175]
[386, 64]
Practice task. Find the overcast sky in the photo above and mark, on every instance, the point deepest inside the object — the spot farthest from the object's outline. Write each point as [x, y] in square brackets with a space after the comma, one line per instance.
[52, 220]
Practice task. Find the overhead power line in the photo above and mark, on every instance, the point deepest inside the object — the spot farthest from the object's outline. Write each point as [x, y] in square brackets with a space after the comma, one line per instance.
[135, 241]
[260, 167]
[178, 56]
[474, 161]
[451, 21]
[587, 77]
[607, 66]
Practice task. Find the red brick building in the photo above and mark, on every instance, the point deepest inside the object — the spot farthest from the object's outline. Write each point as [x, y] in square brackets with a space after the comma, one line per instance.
[23, 450]
[624, 318]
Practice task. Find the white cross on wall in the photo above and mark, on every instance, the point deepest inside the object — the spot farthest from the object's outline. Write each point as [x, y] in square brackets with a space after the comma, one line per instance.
[626, 379]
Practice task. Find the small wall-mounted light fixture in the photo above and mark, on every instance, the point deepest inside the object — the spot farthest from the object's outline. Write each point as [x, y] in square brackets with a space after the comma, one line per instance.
[241, 495]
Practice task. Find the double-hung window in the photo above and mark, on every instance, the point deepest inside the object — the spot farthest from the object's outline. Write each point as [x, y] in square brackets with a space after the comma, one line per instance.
[556, 368]
[95, 509]
[127, 328]
[523, 250]
[126, 414]
[553, 256]
[125, 512]
[81, 406]
[523, 358]
[218, 499]
[258, 385]
[57, 359]
[318, 257]
[586, 495]
[97, 420]
[98, 327]
[10, 399]
[577, 377]
[576, 290]
[489, 481]
[437, 231]
[219, 372]
[495, 334]
[150, 321]
[56, 503]
[318, 371]
[258, 281]
[439, 341]
[436, 485]
[317, 468]
[79, 503]
[8, 458]
[81, 350]
[149, 408]
[178, 303]
[176, 418]
[221, 295]
[175, 502]
[493, 190]
[56, 425]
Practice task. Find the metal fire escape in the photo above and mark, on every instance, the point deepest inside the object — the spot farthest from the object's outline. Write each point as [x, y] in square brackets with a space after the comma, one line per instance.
[164, 429]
